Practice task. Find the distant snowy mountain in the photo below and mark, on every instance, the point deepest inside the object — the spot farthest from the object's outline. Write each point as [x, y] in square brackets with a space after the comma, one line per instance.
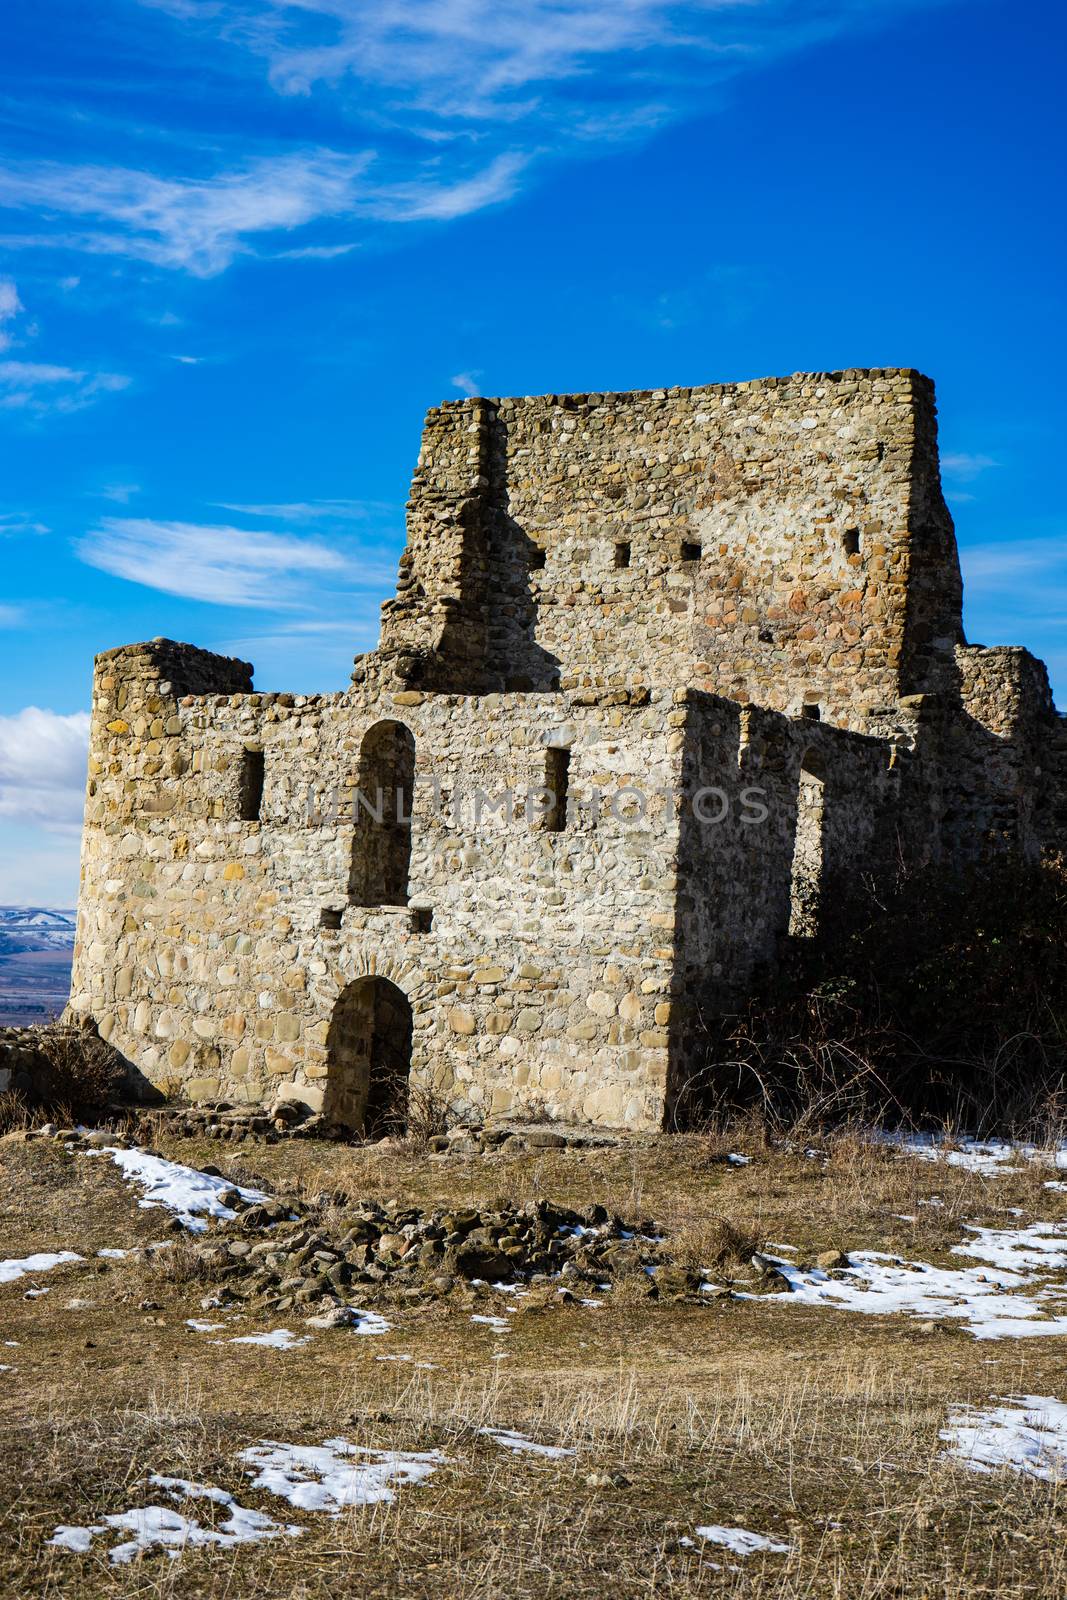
[35, 928]
[36, 949]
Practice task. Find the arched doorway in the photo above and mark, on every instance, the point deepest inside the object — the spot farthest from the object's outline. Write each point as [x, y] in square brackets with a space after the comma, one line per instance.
[369, 1058]
[381, 838]
[805, 890]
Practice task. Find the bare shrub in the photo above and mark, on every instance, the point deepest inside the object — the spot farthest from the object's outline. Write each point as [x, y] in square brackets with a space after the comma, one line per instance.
[15, 1114]
[76, 1068]
[715, 1242]
[429, 1114]
[940, 999]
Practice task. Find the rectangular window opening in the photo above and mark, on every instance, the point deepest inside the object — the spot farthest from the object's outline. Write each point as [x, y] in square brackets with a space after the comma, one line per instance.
[251, 793]
[557, 779]
[622, 554]
[330, 918]
[690, 550]
[850, 541]
[811, 711]
[537, 560]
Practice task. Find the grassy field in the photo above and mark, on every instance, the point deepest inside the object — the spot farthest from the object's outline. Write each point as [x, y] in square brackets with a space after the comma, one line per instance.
[816, 1427]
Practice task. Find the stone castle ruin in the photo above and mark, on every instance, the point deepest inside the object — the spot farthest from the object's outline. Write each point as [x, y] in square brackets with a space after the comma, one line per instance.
[663, 674]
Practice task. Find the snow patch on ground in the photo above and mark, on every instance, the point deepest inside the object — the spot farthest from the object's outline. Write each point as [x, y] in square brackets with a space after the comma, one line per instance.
[510, 1440]
[990, 1157]
[189, 1194]
[498, 1324]
[163, 1527]
[1028, 1433]
[740, 1541]
[42, 1262]
[1042, 1247]
[986, 1301]
[335, 1474]
[278, 1339]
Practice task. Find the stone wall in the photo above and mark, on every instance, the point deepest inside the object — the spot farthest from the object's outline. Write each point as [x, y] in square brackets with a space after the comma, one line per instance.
[785, 542]
[213, 949]
[726, 621]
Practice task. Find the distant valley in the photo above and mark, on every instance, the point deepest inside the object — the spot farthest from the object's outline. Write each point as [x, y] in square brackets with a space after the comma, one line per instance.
[36, 948]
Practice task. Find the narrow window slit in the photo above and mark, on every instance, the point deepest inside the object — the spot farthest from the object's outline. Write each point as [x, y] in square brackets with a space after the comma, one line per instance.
[251, 791]
[622, 554]
[557, 780]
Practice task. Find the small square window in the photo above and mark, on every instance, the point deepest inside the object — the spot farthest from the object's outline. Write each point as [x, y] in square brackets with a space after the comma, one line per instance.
[537, 560]
[850, 541]
[811, 711]
[690, 551]
[330, 918]
[622, 554]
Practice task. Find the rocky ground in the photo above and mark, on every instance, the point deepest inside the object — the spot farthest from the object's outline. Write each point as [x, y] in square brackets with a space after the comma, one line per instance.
[689, 1366]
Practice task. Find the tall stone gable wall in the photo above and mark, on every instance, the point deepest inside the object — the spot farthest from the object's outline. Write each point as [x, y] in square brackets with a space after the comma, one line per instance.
[748, 589]
[826, 574]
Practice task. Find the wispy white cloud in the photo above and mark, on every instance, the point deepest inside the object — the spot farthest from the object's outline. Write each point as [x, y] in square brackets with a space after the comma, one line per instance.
[221, 565]
[427, 199]
[449, 62]
[485, 89]
[317, 252]
[120, 493]
[201, 225]
[198, 224]
[11, 616]
[13, 522]
[10, 306]
[988, 566]
[1015, 592]
[309, 511]
[42, 767]
[38, 387]
[963, 467]
[466, 382]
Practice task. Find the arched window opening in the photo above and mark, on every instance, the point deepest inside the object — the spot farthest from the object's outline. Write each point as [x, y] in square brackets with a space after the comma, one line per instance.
[381, 837]
[369, 1059]
[805, 890]
[250, 790]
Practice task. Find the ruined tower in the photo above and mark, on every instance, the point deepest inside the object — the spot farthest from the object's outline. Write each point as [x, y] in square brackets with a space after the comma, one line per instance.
[660, 667]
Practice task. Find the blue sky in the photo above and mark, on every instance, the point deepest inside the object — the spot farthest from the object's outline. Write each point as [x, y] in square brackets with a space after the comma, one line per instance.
[245, 243]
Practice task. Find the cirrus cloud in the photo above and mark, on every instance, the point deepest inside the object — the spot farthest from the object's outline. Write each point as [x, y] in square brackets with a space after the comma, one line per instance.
[38, 386]
[221, 565]
[465, 97]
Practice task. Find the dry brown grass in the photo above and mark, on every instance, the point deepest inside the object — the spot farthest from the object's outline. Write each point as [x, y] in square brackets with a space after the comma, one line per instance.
[819, 1428]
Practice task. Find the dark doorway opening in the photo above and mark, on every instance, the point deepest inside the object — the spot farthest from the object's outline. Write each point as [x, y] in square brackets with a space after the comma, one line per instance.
[369, 1058]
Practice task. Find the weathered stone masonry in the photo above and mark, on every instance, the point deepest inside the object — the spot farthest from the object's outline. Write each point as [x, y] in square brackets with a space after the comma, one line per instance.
[746, 589]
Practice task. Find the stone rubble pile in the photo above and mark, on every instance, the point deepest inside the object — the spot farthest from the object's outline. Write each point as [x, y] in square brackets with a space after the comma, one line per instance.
[290, 1119]
[311, 1262]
